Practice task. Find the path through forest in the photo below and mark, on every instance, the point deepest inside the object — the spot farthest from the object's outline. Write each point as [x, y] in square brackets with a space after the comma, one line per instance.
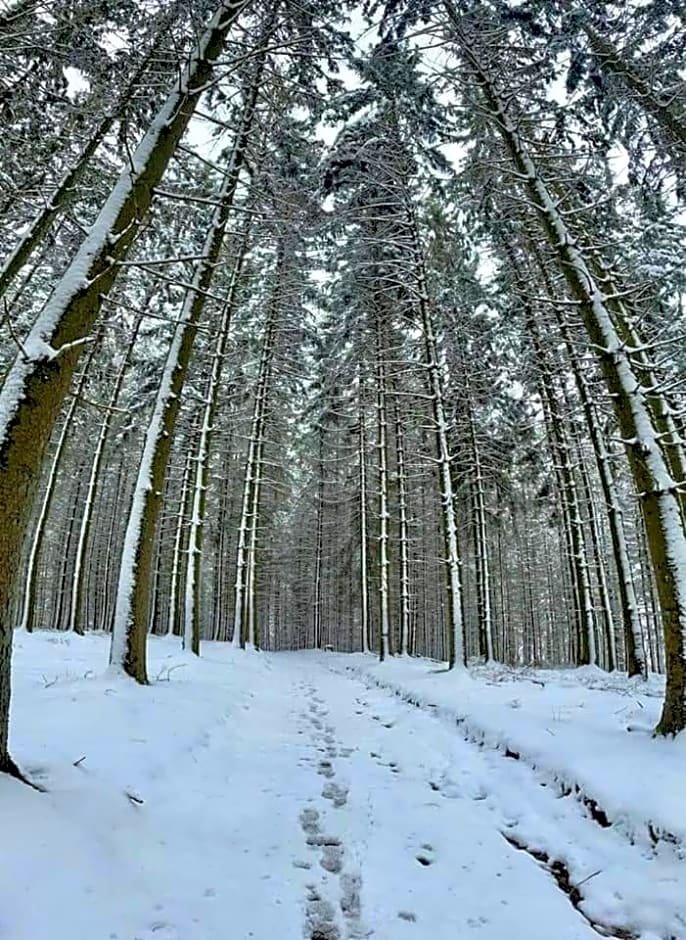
[415, 858]
[262, 796]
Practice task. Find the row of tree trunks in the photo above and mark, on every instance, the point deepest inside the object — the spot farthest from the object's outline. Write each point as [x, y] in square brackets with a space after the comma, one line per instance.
[640, 412]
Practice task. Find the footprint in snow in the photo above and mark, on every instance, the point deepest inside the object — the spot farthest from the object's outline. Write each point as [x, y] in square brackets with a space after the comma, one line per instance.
[318, 839]
[325, 768]
[309, 819]
[320, 923]
[479, 793]
[426, 855]
[351, 901]
[337, 794]
[332, 858]
[451, 790]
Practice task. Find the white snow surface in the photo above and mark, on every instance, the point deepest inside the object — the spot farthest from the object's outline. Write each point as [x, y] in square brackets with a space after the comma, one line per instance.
[251, 795]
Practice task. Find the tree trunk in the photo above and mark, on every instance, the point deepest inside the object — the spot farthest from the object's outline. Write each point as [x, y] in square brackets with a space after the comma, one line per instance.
[202, 457]
[78, 583]
[403, 534]
[26, 621]
[244, 578]
[177, 551]
[455, 640]
[384, 516]
[128, 650]
[364, 587]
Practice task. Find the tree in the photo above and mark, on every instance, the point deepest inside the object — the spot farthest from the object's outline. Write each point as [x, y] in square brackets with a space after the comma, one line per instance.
[38, 381]
[639, 413]
[133, 596]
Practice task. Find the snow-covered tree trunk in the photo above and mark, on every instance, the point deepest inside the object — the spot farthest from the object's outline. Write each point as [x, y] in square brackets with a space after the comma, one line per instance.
[633, 639]
[251, 478]
[456, 641]
[558, 435]
[201, 461]
[481, 545]
[123, 475]
[403, 533]
[79, 575]
[593, 527]
[663, 411]
[182, 523]
[61, 597]
[221, 591]
[128, 650]
[27, 618]
[249, 613]
[319, 548]
[633, 636]
[364, 585]
[382, 466]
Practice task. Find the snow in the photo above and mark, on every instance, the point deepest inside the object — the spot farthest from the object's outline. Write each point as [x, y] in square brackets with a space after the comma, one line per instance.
[77, 82]
[289, 795]
[581, 727]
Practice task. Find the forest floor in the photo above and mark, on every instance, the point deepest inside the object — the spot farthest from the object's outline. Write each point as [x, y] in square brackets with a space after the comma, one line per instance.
[322, 796]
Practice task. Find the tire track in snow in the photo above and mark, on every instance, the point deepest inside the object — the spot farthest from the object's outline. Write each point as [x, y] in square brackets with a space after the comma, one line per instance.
[634, 830]
[576, 848]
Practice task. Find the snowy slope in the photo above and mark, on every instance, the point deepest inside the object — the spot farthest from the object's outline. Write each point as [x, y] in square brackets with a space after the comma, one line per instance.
[255, 796]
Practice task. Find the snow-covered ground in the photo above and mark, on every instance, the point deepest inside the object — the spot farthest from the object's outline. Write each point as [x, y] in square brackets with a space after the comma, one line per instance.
[285, 796]
[584, 727]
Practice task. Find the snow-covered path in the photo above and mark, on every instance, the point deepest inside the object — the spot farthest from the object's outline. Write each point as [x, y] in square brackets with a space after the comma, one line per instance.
[423, 863]
[256, 796]
[477, 804]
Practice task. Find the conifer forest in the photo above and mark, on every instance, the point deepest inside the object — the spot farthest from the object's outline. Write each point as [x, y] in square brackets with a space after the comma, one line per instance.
[342, 469]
